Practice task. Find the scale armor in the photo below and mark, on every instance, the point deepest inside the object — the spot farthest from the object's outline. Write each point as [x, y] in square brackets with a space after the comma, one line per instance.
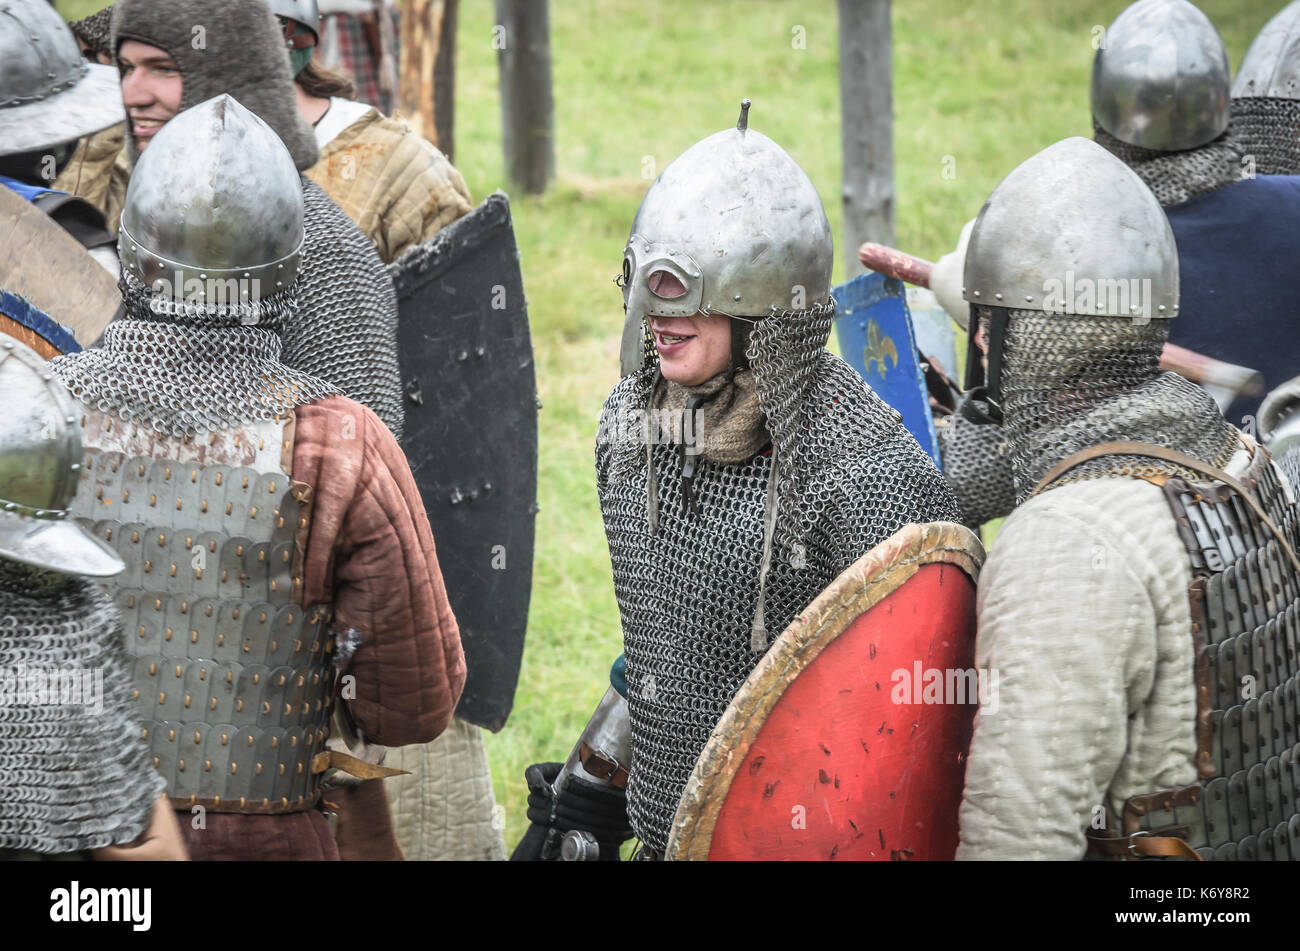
[1245, 599]
[232, 674]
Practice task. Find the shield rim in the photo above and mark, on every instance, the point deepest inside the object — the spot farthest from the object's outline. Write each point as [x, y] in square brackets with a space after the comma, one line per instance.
[860, 587]
[83, 306]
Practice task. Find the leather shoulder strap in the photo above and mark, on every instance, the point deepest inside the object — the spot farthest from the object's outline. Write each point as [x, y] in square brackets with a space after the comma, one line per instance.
[1123, 448]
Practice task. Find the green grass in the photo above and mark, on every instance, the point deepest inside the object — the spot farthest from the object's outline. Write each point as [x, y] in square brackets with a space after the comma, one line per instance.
[986, 83]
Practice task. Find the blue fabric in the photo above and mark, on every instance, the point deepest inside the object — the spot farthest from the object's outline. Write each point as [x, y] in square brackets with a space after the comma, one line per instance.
[1238, 256]
[25, 191]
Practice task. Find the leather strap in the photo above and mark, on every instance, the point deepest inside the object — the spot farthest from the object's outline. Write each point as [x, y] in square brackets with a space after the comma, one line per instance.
[1143, 845]
[602, 766]
[1124, 448]
[351, 764]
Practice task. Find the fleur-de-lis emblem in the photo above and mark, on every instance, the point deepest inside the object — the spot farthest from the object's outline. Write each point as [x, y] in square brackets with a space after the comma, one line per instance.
[878, 348]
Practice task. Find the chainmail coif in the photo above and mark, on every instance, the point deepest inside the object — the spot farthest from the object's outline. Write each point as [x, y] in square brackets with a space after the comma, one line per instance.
[346, 331]
[1268, 130]
[849, 476]
[184, 369]
[71, 778]
[1177, 176]
[1070, 382]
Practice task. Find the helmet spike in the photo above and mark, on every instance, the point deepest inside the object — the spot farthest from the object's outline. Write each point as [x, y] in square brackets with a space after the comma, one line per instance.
[743, 122]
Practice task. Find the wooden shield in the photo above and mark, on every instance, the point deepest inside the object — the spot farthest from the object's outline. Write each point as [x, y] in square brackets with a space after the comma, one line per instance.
[849, 739]
[54, 274]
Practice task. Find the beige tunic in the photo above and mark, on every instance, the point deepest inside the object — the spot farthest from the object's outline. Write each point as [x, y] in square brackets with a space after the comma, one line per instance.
[1083, 614]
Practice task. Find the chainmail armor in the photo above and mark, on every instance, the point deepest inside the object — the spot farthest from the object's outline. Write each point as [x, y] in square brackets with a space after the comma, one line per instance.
[849, 476]
[1268, 130]
[184, 369]
[1071, 382]
[70, 778]
[977, 464]
[346, 331]
[1177, 176]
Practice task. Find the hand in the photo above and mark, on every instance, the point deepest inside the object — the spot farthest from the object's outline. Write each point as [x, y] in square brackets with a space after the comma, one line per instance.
[592, 807]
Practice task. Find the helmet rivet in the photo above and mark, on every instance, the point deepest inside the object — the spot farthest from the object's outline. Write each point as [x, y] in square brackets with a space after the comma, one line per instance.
[1028, 299]
[976, 294]
[69, 420]
[76, 466]
[47, 377]
[735, 297]
[1162, 308]
[998, 296]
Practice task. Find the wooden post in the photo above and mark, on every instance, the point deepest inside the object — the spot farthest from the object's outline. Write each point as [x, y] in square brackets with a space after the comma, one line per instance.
[523, 39]
[866, 127]
[426, 71]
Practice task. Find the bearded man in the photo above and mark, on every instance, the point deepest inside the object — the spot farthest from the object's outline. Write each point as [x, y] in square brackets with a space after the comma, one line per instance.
[770, 466]
[1138, 604]
[274, 536]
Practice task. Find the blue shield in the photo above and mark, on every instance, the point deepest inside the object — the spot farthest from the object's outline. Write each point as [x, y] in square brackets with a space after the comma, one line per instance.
[874, 329]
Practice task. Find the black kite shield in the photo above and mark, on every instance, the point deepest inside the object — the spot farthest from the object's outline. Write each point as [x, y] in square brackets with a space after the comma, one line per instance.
[471, 437]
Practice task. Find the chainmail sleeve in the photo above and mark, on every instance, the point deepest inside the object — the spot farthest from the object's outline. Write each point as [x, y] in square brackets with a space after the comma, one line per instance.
[977, 464]
[346, 329]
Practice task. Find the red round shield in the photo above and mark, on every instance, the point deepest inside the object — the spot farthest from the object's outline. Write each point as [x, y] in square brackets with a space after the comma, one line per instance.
[848, 741]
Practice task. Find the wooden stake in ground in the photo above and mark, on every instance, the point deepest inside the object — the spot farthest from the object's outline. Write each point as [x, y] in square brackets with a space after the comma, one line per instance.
[523, 41]
[866, 127]
[427, 71]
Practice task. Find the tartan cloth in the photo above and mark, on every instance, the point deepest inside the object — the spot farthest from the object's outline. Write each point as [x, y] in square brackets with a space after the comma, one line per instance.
[344, 33]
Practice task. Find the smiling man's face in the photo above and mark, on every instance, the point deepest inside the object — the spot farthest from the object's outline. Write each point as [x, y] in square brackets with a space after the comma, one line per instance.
[151, 89]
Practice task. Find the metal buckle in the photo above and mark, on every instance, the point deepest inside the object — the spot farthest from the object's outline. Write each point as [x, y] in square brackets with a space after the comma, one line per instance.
[1132, 847]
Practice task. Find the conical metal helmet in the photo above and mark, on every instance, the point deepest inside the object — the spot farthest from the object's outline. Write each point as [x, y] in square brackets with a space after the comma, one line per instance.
[1271, 67]
[1161, 78]
[40, 465]
[215, 199]
[49, 94]
[1073, 230]
[738, 226]
[300, 11]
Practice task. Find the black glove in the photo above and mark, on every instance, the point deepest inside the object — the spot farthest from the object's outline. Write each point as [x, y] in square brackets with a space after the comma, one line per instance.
[590, 807]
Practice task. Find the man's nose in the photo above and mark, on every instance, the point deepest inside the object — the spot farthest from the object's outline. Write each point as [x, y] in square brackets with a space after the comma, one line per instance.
[136, 90]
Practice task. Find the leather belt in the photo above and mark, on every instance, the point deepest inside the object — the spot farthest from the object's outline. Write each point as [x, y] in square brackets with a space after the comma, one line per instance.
[1165, 843]
[602, 766]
